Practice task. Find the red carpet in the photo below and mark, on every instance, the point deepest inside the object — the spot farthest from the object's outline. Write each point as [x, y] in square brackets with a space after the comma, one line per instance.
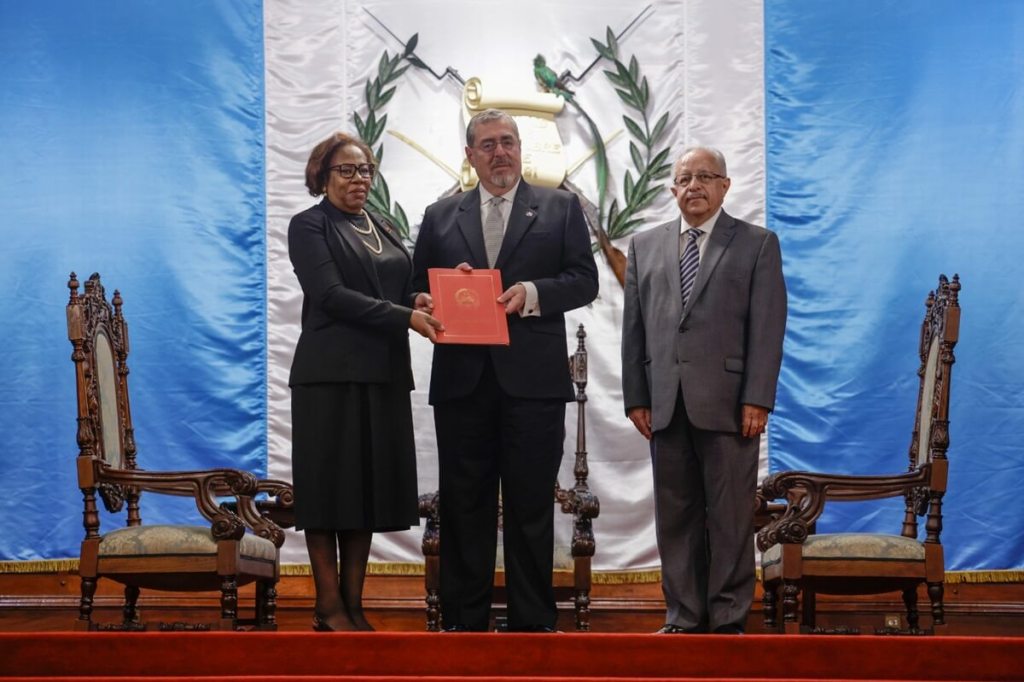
[493, 657]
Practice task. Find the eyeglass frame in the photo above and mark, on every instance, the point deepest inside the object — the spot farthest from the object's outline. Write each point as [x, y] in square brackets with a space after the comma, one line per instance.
[490, 146]
[702, 178]
[370, 169]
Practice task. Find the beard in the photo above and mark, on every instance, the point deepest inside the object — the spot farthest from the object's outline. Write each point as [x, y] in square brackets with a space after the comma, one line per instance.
[504, 178]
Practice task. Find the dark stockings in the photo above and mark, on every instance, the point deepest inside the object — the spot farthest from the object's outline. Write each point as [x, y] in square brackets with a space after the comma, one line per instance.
[339, 594]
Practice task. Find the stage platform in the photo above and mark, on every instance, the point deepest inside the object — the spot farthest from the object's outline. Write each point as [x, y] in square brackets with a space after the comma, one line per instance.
[492, 657]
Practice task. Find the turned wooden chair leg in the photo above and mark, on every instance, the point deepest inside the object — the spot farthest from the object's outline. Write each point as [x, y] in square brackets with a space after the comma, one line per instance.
[935, 592]
[85, 605]
[130, 612]
[790, 606]
[910, 601]
[228, 602]
[770, 607]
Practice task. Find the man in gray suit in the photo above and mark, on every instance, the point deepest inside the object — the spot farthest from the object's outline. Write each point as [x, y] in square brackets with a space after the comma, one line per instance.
[702, 331]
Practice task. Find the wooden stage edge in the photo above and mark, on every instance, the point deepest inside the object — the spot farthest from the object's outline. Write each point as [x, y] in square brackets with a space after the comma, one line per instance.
[40, 602]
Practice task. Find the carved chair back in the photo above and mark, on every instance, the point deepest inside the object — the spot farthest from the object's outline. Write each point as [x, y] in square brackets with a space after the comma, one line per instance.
[849, 563]
[220, 555]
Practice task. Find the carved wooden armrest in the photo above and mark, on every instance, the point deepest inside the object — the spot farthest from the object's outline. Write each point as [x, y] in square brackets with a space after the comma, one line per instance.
[272, 513]
[205, 487]
[806, 492]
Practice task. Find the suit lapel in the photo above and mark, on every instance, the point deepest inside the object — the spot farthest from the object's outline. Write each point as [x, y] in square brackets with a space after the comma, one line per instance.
[669, 244]
[471, 226]
[721, 235]
[524, 212]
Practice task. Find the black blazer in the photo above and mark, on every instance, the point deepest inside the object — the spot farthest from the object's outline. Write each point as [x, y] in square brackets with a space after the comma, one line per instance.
[547, 242]
[349, 331]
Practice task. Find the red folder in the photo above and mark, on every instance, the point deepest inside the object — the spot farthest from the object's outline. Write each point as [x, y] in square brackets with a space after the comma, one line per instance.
[467, 305]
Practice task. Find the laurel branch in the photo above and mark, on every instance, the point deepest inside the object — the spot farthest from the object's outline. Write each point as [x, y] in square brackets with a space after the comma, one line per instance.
[631, 87]
[650, 166]
[377, 95]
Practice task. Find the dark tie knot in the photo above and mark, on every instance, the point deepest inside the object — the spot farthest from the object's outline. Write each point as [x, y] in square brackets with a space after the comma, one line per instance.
[694, 234]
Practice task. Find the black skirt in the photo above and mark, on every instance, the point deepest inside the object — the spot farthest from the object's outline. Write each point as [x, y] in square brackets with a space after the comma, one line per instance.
[353, 457]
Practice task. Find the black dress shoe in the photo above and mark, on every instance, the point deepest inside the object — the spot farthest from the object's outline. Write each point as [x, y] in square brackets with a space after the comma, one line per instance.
[455, 628]
[533, 628]
[728, 630]
[321, 625]
[672, 629]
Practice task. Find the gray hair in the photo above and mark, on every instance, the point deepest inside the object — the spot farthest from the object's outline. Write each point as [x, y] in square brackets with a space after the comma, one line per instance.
[717, 155]
[488, 116]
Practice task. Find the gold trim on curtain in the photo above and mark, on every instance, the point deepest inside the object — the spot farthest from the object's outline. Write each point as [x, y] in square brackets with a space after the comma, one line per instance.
[408, 568]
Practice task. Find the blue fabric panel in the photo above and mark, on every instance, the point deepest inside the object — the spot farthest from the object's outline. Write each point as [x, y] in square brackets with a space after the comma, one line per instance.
[895, 146]
[132, 145]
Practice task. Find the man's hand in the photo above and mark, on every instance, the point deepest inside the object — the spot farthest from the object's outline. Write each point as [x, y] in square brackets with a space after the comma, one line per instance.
[641, 418]
[424, 302]
[514, 298]
[755, 418]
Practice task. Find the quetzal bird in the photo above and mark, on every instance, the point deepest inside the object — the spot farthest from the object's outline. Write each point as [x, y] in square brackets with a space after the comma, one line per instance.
[549, 81]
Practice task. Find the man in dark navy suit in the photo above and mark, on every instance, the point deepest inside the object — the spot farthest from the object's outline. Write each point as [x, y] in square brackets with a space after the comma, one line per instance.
[499, 411]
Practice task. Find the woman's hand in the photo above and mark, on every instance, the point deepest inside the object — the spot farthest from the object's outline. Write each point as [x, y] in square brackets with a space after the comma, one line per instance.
[424, 302]
[425, 325]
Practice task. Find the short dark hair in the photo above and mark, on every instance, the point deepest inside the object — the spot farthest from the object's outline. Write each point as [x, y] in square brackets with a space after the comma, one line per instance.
[486, 116]
[319, 164]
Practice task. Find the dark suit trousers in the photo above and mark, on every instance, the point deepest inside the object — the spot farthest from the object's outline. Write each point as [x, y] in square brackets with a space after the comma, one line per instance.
[704, 484]
[485, 438]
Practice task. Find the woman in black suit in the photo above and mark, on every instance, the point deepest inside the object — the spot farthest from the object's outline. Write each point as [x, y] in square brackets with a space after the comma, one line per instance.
[353, 457]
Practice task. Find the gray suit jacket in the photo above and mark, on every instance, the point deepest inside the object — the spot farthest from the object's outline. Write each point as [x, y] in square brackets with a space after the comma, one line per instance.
[725, 349]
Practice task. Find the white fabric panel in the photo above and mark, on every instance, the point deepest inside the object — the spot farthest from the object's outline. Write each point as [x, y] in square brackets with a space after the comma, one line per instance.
[703, 60]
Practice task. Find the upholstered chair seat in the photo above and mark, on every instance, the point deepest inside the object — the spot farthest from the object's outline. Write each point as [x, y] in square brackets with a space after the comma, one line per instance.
[852, 547]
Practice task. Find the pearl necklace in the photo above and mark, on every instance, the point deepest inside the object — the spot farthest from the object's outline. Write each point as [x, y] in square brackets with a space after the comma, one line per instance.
[370, 230]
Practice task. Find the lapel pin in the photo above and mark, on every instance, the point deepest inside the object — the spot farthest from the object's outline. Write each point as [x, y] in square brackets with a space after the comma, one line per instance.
[530, 214]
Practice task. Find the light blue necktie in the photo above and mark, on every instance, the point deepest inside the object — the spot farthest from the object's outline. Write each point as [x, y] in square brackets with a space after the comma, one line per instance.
[689, 264]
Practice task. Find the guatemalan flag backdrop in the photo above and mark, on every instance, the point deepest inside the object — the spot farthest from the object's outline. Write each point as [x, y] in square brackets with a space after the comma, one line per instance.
[163, 145]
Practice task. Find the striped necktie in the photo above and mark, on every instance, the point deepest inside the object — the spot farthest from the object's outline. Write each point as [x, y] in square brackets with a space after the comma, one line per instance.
[689, 264]
[494, 230]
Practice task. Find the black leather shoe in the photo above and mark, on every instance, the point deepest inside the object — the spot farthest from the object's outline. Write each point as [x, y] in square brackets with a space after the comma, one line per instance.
[728, 630]
[672, 629]
[532, 628]
[320, 625]
[455, 628]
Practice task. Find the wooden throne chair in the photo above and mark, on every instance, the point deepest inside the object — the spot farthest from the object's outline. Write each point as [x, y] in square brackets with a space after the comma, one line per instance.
[796, 562]
[237, 546]
[572, 584]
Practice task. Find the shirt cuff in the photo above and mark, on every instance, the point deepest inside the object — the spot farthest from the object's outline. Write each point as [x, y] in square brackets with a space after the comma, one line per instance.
[532, 306]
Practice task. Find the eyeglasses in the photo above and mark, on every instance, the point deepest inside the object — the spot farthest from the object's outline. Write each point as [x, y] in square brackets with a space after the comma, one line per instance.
[508, 143]
[701, 178]
[347, 170]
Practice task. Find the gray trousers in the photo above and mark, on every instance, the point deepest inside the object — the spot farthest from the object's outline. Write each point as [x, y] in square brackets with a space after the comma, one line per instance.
[704, 484]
